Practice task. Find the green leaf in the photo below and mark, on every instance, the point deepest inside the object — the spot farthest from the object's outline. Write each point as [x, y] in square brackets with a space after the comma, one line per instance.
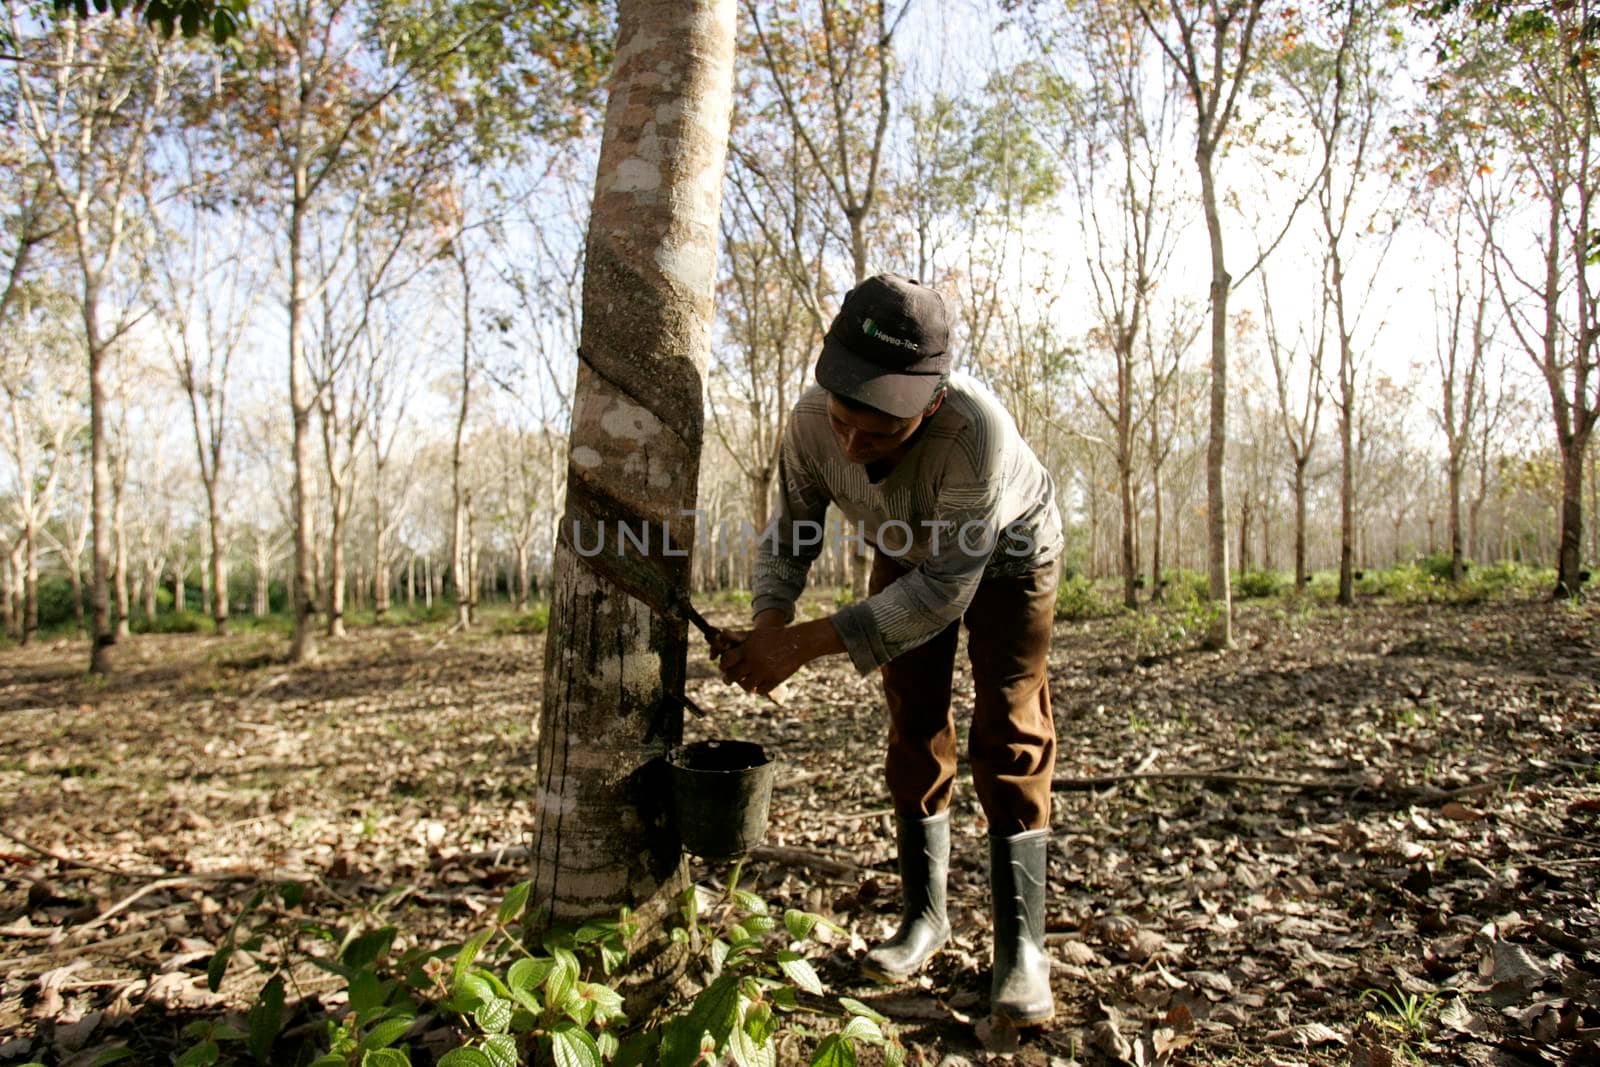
[515, 902]
[219, 964]
[367, 993]
[635, 1051]
[385, 1034]
[756, 925]
[612, 956]
[528, 1001]
[593, 931]
[748, 1052]
[834, 1051]
[571, 1046]
[330, 1060]
[365, 950]
[265, 1020]
[750, 902]
[716, 1009]
[607, 1001]
[562, 978]
[801, 973]
[385, 1057]
[607, 1042]
[201, 1055]
[331, 966]
[494, 1016]
[291, 893]
[468, 956]
[801, 924]
[112, 1055]
[575, 1006]
[501, 1050]
[855, 1007]
[860, 1029]
[529, 973]
[894, 1053]
[474, 989]
[760, 1023]
[464, 1057]
[691, 907]
[681, 1043]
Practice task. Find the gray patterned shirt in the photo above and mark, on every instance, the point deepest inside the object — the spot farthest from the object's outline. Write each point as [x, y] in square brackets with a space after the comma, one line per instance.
[969, 500]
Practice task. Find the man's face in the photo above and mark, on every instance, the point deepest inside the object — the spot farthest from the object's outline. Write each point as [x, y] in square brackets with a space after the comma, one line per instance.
[868, 436]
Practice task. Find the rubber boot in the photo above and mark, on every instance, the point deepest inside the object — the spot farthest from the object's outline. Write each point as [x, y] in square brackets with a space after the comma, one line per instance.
[924, 846]
[1020, 993]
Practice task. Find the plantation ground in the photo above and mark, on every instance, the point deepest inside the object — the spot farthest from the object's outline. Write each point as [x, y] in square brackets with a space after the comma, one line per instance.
[1360, 836]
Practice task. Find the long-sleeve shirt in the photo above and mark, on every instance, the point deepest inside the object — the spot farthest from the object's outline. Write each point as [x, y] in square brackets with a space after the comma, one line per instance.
[969, 500]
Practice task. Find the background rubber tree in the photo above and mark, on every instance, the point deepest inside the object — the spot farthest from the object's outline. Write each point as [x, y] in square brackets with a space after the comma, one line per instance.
[831, 67]
[1212, 45]
[1514, 112]
[322, 79]
[90, 99]
[612, 665]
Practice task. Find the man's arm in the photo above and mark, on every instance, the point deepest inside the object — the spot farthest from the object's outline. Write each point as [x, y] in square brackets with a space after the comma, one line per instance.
[766, 656]
[791, 543]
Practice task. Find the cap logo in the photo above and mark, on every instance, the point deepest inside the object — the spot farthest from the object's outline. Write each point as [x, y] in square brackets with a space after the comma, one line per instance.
[870, 328]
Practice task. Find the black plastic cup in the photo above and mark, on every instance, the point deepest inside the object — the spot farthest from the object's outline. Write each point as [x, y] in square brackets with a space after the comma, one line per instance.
[721, 795]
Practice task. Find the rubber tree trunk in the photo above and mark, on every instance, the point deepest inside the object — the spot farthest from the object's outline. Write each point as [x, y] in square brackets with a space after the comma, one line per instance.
[1300, 576]
[303, 648]
[1569, 552]
[612, 665]
[218, 598]
[119, 542]
[1220, 632]
[30, 579]
[104, 635]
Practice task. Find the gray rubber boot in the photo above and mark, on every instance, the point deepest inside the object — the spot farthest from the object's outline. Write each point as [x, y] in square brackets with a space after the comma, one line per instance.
[1020, 992]
[924, 846]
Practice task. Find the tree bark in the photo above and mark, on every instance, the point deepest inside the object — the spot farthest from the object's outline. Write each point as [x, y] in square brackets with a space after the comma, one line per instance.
[119, 540]
[612, 666]
[1220, 632]
[104, 635]
[219, 574]
[461, 502]
[1300, 525]
[263, 568]
[1569, 550]
[10, 594]
[303, 649]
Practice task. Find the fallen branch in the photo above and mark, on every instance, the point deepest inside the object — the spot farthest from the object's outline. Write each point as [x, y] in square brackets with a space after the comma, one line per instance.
[816, 861]
[858, 816]
[1408, 794]
[492, 856]
[84, 865]
[270, 683]
[132, 898]
[1143, 766]
[1072, 785]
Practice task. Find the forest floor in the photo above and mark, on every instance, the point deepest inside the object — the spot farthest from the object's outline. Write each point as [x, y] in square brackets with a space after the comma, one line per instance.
[1362, 836]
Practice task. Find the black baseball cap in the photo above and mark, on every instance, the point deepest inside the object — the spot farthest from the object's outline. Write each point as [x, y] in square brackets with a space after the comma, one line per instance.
[888, 347]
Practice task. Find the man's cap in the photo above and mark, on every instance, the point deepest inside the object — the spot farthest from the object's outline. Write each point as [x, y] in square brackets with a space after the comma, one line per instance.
[888, 347]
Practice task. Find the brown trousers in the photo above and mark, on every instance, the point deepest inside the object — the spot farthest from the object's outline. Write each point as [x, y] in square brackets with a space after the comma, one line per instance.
[1012, 741]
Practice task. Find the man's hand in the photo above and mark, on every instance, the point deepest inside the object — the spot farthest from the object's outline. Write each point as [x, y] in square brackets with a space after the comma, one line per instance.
[765, 657]
[730, 638]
